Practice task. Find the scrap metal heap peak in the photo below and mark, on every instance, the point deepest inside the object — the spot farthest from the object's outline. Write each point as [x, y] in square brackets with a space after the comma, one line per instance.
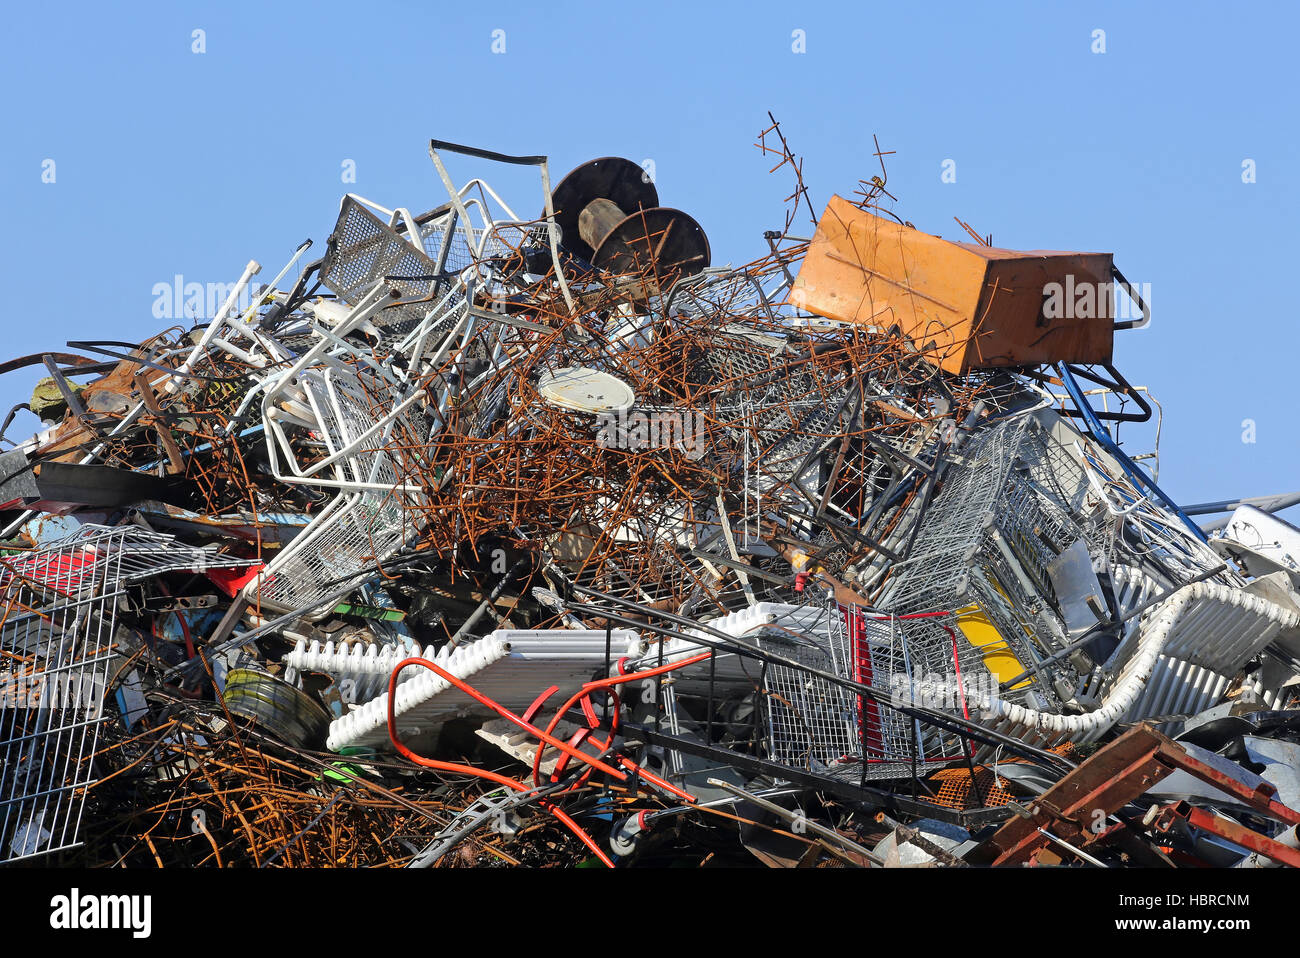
[517, 532]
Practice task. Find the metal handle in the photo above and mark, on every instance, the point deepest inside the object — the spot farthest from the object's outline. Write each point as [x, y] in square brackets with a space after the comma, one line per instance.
[1134, 295]
[486, 154]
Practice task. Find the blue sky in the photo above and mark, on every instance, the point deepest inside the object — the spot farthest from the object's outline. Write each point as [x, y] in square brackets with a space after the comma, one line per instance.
[173, 162]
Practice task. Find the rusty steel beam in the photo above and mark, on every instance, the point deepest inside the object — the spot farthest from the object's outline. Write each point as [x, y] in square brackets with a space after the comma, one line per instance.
[1226, 828]
[1109, 780]
[1080, 804]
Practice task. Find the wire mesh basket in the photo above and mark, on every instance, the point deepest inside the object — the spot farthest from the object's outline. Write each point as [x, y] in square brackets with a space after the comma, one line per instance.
[363, 249]
[58, 640]
[366, 523]
[818, 725]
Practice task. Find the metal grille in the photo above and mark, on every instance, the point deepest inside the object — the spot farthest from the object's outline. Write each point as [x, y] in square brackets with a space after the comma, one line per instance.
[719, 290]
[506, 238]
[360, 527]
[363, 249]
[1016, 500]
[817, 725]
[446, 232]
[938, 569]
[918, 661]
[984, 544]
[805, 425]
[359, 530]
[734, 357]
[811, 723]
[958, 788]
[57, 642]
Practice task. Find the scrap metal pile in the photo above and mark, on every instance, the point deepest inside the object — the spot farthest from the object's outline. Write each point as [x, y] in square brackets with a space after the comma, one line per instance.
[522, 534]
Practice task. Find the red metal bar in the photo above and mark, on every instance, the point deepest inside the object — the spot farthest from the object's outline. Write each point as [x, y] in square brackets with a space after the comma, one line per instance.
[1226, 828]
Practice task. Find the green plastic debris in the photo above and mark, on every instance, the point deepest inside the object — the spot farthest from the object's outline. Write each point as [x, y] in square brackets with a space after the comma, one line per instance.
[47, 403]
[369, 612]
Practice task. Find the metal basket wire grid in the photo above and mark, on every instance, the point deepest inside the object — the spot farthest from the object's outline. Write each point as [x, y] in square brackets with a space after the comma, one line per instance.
[57, 645]
[363, 249]
[1013, 503]
[362, 526]
[815, 724]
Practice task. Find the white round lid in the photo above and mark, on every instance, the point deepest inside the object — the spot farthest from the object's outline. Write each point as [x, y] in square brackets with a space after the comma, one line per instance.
[585, 390]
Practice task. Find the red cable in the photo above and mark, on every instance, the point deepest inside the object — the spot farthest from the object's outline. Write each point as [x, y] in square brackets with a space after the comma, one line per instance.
[603, 746]
[961, 688]
[478, 772]
[502, 711]
[613, 680]
[545, 737]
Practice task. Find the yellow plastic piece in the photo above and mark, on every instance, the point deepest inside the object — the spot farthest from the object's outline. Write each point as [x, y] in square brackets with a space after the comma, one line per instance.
[983, 635]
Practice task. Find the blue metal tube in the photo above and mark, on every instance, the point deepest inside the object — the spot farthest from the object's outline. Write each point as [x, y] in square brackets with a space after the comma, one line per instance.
[1131, 469]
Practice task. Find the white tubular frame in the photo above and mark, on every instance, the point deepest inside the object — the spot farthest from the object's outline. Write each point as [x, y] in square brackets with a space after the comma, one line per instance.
[1140, 652]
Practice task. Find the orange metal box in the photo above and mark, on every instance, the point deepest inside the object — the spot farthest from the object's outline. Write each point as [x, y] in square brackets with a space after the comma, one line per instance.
[964, 305]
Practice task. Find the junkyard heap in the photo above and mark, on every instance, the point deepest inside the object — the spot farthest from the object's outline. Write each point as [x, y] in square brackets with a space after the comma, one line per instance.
[524, 535]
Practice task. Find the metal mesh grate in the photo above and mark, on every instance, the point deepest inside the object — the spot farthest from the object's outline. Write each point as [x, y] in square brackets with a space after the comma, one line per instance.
[359, 528]
[1018, 497]
[937, 572]
[57, 641]
[959, 789]
[921, 662]
[817, 725]
[363, 249]
[717, 291]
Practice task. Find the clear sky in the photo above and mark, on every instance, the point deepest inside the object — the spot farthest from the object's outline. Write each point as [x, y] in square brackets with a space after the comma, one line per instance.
[169, 161]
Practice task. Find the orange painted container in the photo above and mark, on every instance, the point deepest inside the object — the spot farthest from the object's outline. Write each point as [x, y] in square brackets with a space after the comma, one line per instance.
[963, 305]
